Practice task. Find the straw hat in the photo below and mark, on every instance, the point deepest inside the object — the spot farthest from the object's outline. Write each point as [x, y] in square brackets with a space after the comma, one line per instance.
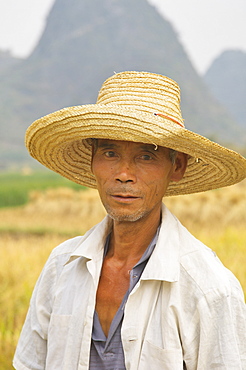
[133, 106]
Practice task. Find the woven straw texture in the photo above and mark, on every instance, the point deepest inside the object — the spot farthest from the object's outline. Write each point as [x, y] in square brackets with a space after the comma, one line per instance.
[139, 107]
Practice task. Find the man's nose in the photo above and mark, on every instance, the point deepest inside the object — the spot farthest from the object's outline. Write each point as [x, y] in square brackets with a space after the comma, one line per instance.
[126, 172]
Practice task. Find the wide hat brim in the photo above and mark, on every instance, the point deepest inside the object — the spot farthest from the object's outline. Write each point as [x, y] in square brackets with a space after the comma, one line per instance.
[61, 142]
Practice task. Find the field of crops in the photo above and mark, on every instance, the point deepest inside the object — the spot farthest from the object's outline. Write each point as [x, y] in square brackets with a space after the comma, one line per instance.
[15, 187]
[53, 211]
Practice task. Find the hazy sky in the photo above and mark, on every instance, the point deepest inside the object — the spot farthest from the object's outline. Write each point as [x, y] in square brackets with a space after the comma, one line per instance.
[205, 28]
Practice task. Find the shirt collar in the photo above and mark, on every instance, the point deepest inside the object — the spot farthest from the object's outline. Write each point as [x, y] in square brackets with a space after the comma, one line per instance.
[164, 263]
[164, 260]
[91, 246]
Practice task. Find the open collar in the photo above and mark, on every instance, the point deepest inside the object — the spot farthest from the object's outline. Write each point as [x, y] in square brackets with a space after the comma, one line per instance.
[164, 263]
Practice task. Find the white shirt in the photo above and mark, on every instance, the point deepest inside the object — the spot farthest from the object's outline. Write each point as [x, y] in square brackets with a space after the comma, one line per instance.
[186, 308]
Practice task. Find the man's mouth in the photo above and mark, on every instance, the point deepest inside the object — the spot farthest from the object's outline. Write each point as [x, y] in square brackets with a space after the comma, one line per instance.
[124, 197]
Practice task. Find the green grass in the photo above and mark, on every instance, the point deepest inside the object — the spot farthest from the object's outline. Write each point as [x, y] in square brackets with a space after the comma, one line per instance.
[15, 187]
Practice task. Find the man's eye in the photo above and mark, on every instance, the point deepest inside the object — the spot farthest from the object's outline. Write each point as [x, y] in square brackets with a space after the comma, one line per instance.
[110, 154]
[146, 157]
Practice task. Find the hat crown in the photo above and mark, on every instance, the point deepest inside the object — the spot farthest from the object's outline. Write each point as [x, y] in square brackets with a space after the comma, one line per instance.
[143, 91]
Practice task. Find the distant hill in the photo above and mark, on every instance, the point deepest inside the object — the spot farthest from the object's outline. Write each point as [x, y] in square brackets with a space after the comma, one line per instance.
[83, 43]
[7, 61]
[227, 80]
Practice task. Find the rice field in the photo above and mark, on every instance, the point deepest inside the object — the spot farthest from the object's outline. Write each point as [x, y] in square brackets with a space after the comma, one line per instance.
[29, 232]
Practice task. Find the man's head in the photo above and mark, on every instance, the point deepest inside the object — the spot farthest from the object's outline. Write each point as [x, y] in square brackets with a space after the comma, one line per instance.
[132, 178]
[137, 107]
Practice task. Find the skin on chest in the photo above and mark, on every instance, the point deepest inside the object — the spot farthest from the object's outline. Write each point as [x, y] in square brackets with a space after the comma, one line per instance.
[112, 287]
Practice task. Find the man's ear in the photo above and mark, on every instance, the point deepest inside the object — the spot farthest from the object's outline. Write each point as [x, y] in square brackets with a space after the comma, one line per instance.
[179, 167]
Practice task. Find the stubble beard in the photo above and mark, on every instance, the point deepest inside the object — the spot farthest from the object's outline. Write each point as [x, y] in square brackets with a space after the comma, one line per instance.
[125, 217]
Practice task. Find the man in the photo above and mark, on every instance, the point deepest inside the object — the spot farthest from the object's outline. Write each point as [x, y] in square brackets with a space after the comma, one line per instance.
[137, 291]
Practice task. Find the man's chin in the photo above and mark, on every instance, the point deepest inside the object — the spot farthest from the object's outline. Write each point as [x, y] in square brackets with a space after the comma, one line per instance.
[126, 217]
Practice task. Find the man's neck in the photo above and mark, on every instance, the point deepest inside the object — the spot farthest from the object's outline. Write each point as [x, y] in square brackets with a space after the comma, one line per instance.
[129, 240]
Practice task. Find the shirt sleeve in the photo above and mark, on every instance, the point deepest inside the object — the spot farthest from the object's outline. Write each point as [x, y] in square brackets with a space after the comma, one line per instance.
[220, 333]
[32, 346]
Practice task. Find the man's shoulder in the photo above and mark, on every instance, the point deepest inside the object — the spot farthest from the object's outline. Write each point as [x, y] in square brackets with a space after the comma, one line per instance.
[202, 267]
[67, 247]
[60, 255]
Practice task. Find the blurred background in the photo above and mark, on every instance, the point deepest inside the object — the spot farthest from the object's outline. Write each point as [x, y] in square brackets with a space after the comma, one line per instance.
[57, 53]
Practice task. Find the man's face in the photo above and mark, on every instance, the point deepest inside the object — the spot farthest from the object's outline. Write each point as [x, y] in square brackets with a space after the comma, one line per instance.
[132, 178]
